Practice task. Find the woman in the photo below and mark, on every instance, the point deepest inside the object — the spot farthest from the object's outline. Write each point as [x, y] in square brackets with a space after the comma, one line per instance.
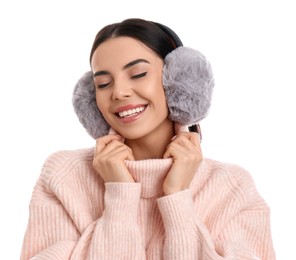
[145, 191]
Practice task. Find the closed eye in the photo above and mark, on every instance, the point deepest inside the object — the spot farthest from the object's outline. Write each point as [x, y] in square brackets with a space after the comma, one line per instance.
[103, 85]
[139, 75]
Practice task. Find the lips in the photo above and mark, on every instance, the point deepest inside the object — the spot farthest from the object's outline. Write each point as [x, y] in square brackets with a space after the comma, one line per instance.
[130, 111]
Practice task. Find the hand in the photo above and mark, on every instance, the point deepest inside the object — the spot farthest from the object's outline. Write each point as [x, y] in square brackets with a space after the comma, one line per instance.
[109, 156]
[186, 153]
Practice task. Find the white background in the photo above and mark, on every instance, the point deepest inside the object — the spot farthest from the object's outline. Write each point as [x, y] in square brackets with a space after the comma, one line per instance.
[251, 45]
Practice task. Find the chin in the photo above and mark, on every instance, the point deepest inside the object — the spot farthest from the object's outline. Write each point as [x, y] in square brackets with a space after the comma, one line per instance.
[131, 136]
[132, 133]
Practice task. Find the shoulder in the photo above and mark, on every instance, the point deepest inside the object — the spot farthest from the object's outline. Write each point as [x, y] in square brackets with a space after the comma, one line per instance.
[232, 179]
[65, 156]
[66, 162]
[234, 172]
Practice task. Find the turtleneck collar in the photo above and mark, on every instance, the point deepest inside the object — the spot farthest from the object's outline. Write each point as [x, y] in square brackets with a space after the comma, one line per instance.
[151, 174]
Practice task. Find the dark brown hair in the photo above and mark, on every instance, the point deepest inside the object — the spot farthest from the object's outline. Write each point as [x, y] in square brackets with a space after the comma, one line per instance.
[157, 37]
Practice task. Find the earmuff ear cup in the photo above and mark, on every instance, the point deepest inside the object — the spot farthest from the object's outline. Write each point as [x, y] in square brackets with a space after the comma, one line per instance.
[188, 83]
[85, 107]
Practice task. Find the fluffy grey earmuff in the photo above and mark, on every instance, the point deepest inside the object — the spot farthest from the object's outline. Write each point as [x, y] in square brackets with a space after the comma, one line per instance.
[188, 83]
[85, 106]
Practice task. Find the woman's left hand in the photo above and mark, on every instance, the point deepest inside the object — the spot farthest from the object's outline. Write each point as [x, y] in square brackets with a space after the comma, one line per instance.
[186, 153]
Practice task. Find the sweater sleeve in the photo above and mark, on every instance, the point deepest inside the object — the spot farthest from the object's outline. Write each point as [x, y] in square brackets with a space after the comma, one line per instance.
[54, 233]
[116, 234]
[51, 233]
[246, 235]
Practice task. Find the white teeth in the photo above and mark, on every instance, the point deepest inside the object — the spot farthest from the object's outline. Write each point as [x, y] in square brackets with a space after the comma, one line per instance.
[131, 111]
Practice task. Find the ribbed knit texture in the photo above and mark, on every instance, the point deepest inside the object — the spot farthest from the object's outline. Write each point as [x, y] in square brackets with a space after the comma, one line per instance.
[74, 215]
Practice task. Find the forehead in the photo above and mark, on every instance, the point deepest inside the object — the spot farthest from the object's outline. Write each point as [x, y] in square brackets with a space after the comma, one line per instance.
[120, 51]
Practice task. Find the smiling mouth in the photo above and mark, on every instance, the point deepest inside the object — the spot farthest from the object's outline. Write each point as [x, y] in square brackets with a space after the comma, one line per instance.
[131, 112]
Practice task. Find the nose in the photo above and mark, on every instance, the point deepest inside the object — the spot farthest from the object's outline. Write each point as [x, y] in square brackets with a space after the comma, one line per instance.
[121, 91]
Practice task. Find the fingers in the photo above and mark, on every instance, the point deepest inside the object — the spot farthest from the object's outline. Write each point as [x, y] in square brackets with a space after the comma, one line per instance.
[186, 153]
[184, 142]
[103, 142]
[112, 145]
[109, 156]
[119, 150]
[187, 138]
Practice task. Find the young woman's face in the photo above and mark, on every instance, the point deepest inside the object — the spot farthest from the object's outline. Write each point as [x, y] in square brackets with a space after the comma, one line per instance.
[129, 91]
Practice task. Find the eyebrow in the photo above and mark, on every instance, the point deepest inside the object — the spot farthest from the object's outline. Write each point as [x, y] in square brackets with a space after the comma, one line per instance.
[130, 64]
[134, 62]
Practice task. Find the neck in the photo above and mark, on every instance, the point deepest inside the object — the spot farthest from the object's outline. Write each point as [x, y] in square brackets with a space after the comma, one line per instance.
[153, 145]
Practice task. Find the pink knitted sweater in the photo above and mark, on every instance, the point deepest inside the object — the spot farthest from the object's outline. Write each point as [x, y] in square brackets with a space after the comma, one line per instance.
[74, 215]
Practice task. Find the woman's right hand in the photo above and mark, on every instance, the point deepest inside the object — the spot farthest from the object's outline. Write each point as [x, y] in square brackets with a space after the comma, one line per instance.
[109, 156]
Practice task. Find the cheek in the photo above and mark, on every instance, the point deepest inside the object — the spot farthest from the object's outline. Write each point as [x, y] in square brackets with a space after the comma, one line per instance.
[163, 103]
[101, 104]
[159, 93]
[156, 92]
[155, 88]
[160, 99]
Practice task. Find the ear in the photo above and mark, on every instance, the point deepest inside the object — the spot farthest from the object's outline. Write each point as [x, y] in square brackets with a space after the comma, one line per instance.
[188, 83]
